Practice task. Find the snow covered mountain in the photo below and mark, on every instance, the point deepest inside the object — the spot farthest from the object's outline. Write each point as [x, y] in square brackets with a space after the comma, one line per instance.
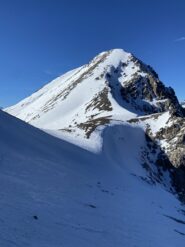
[114, 177]
[114, 87]
[114, 84]
[76, 99]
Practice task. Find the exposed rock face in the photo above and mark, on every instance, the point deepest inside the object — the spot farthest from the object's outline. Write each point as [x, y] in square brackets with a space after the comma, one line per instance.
[147, 93]
[174, 135]
[166, 144]
[100, 102]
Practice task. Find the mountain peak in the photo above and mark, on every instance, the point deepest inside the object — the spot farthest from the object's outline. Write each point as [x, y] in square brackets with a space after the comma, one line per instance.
[113, 56]
[116, 52]
[115, 85]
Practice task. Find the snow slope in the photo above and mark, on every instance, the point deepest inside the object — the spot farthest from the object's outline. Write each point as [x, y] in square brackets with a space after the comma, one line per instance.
[82, 198]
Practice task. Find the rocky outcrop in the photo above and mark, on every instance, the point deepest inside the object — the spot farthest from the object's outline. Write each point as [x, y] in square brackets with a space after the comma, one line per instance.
[174, 136]
[165, 138]
[148, 94]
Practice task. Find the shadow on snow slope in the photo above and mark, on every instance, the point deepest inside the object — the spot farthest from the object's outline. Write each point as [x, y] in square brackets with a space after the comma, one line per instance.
[54, 193]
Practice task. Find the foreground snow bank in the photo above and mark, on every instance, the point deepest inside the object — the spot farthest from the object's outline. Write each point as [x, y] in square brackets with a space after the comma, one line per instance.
[54, 193]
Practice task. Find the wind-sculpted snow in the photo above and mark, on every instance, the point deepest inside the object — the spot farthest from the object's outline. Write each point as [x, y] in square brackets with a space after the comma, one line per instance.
[54, 193]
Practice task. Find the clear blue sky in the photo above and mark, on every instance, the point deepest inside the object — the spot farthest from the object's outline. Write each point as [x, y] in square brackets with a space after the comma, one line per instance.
[41, 39]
